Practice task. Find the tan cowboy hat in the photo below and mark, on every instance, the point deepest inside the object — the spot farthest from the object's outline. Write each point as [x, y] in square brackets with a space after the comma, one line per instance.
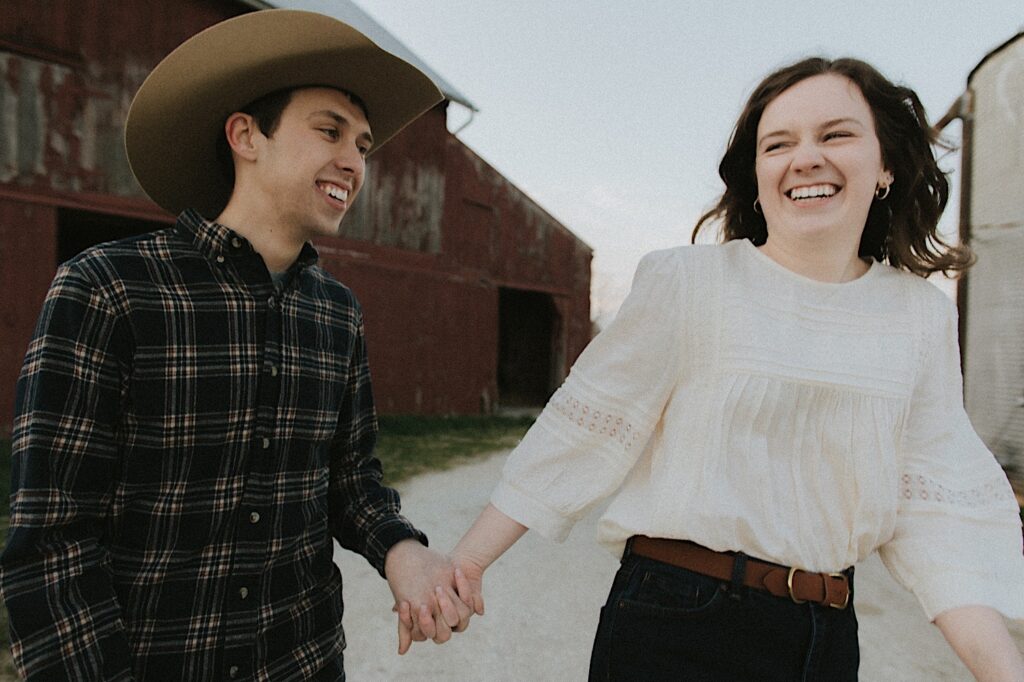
[179, 112]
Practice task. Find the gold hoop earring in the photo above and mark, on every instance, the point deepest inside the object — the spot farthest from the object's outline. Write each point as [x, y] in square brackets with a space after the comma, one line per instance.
[757, 204]
[882, 192]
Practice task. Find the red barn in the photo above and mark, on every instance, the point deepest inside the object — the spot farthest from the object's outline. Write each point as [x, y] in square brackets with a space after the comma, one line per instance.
[474, 296]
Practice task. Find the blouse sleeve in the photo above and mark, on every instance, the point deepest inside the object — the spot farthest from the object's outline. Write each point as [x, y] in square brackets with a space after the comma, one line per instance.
[957, 539]
[597, 423]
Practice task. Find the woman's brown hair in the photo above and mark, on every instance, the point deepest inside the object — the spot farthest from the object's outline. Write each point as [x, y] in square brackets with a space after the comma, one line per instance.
[901, 227]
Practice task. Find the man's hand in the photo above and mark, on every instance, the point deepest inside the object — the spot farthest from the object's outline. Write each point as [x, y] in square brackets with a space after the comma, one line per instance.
[423, 583]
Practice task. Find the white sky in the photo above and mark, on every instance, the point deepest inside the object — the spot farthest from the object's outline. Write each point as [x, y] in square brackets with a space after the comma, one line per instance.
[613, 115]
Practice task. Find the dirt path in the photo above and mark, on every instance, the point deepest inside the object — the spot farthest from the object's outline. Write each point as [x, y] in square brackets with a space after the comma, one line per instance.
[543, 601]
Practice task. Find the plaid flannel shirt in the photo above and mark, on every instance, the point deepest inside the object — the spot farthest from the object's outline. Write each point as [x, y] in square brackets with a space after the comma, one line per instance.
[187, 441]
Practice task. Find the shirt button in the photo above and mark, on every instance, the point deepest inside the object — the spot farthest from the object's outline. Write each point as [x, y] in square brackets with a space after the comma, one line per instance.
[233, 672]
[254, 517]
[271, 301]
[220, 259]
[244, 592]
[266, 443]
[273, 370]
[236, 242]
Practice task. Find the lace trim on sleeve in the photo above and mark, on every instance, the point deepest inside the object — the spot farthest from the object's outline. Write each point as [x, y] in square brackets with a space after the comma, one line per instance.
[612, 426]
[917, 487]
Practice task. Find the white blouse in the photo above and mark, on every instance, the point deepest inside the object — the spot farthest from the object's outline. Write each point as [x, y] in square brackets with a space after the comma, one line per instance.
[742, 406]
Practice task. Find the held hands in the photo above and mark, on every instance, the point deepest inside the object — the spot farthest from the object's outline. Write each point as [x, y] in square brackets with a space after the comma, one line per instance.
[433, 596]
[427, 605]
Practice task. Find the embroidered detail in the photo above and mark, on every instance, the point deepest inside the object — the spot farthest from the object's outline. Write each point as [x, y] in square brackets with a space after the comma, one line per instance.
[919, 487]
[600, 422]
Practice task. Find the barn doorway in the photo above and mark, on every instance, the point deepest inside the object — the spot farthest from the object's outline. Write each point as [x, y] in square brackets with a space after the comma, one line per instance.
[529, 329]
[78, 230]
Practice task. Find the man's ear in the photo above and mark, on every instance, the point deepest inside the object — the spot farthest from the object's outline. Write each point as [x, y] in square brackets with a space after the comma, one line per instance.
[241, 132]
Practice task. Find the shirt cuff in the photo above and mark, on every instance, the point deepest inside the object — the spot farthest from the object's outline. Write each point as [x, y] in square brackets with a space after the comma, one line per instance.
[953, 589]
[531, 512]
[389, 535]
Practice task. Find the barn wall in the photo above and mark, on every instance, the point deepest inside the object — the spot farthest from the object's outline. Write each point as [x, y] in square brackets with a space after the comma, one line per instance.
[68, 71]
[506, 235]
[427, 267]
[28, 251]
[433, 237]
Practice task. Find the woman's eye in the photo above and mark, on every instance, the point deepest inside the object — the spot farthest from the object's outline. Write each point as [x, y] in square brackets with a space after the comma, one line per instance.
[837, 134]
[773, 146]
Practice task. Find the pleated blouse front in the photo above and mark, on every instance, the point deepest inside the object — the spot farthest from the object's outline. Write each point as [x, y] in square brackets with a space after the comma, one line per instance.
[744, 407]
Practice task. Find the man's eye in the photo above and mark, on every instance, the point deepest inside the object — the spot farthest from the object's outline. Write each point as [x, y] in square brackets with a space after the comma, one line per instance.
[330, 132]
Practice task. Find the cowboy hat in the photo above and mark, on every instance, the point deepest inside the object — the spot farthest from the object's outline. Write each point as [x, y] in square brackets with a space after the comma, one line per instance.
[178, 115]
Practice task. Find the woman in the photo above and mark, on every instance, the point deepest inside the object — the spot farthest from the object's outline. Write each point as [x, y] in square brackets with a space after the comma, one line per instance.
[769, 411]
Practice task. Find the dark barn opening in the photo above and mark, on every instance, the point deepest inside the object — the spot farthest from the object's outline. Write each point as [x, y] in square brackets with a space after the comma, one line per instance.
[78, 230]
[527, 323]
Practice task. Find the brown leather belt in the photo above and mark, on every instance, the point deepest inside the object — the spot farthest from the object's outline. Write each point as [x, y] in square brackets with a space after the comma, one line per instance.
[827, 589]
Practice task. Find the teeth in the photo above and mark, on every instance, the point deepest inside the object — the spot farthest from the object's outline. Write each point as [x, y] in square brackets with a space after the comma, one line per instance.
[813, 191]
[335, 192]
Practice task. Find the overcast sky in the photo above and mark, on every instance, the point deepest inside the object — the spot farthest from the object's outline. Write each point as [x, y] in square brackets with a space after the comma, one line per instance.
[613, 115]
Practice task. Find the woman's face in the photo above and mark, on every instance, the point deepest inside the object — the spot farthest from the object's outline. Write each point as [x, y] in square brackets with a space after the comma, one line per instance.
[818, 161]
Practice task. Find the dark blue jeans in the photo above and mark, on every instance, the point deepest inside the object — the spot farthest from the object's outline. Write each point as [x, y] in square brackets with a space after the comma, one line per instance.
[667, 623]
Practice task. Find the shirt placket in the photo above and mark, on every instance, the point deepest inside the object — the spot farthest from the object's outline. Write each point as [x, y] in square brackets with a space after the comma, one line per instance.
[253, 519]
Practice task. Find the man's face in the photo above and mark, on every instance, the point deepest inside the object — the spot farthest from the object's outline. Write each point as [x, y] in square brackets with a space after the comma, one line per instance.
[310, 170]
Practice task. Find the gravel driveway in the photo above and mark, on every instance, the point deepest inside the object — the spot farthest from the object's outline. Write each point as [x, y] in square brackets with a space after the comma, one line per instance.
[543, 601]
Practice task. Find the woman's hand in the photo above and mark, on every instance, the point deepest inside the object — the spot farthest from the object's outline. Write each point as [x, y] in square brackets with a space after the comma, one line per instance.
[454, 604]
[490, 536]
[422, 583]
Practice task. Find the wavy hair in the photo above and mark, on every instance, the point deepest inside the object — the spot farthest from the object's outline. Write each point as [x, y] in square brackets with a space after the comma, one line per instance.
[900, 229]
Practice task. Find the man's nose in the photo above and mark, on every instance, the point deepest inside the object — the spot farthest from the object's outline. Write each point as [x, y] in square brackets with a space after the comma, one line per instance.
[350, 158]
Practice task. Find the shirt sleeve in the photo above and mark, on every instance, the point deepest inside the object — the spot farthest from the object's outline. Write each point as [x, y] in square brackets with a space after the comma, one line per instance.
[65, 619]
[593, 429]
[365, 514]
[957, 539]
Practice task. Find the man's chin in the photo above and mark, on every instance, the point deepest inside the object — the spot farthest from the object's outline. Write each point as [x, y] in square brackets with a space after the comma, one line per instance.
[324, 230]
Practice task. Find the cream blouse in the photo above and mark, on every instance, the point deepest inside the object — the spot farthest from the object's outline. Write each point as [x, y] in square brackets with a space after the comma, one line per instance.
[739, 405]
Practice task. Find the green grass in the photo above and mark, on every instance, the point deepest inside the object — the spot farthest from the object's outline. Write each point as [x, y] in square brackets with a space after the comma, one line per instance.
[412, 445]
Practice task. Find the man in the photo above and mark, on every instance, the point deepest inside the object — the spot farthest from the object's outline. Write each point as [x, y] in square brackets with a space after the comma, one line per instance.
[194, 417]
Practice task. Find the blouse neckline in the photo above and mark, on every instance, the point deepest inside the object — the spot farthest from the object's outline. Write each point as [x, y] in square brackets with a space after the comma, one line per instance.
[758, 256]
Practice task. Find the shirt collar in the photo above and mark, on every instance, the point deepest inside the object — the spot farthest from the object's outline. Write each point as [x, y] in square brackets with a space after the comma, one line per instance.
[213, 239]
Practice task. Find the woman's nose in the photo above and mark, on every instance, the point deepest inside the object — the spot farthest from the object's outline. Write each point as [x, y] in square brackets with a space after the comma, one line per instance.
[807, 156]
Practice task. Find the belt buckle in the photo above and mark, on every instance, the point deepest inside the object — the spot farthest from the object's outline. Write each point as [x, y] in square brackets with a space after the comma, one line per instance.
[789, 584]
[841, 576]
[838, 576]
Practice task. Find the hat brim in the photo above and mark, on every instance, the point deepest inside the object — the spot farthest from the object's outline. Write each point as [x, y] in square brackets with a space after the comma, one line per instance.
[178, 114]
